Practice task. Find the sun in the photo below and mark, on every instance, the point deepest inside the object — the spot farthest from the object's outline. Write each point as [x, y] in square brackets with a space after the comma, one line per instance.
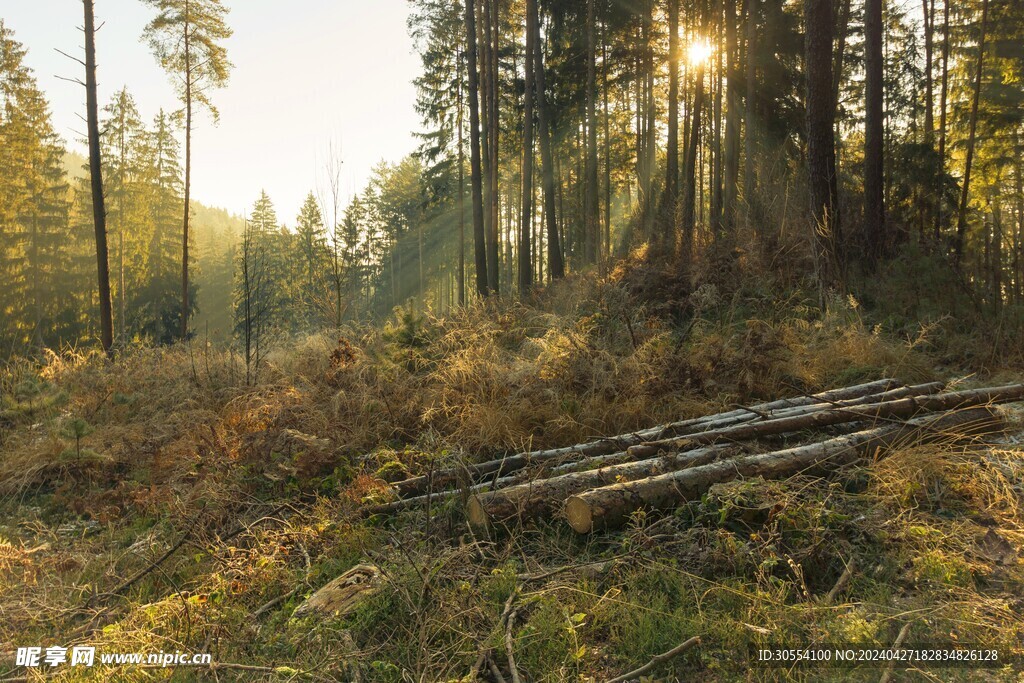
[699, 52]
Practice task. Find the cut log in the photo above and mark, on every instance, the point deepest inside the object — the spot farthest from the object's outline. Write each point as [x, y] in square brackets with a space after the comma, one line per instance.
[611, 506]
[444, 478]
[900, 408]
[624, 456]
[542, 497]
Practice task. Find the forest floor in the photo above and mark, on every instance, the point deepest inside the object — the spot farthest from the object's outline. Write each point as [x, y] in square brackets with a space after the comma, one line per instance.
[168, 453]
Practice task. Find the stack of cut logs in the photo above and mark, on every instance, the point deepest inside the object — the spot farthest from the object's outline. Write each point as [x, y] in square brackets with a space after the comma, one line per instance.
[599, 484]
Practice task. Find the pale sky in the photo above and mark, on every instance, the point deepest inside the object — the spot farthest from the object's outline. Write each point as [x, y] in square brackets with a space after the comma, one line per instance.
[306, 72]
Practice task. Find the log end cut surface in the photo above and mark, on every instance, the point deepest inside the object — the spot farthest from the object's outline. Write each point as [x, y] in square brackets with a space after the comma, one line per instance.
[580, 514]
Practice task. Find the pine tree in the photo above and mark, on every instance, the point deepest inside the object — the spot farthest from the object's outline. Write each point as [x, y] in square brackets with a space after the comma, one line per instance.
[187, 37]
[311, 238]
[157, 303]
[124, 147]
[33, 209]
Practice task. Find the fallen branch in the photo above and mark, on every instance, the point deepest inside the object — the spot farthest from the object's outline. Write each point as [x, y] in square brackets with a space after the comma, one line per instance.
[610, 506]
[844, 579]
[658, 659]
[513, 670]
[900, 637]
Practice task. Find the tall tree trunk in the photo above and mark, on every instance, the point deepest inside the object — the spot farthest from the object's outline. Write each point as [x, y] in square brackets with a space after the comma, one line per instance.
[671, 193]
[121, 322]
[961, 221]
[492, 12]
[591, 189]
[462, 197]
[185, 305]
[732, 122]
[928, 7]
[715, 148]
[526, 223]
[690, 169]
[874, 134]
[821, 150]
[99, 212]
[944, 92]
[476, 179]
[556, 264]
[607, 152]
[997, 253]
[842, 30]
[754, 223]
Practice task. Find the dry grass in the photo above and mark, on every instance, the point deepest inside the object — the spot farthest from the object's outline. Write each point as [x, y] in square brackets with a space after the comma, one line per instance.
[104, 467]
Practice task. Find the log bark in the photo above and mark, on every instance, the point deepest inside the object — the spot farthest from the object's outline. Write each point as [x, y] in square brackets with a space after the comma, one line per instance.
[440, 479]
[611, 506]
[900, 408]
[543, 497]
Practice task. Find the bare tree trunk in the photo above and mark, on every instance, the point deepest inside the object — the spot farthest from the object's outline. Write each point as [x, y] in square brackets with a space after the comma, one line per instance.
[754, 224]
[607, 153]
[944, 92]
[592, 230]
[185, 306]
[476, 179]
[462, 198]
[732, 122]
[961, 221]
[874, 135]
[526, 223]
[492, 12]
[928, 7]
[99, 212]
[556, 265]
[671, 192]
[821, 149]
[715, 148]
[689, 202]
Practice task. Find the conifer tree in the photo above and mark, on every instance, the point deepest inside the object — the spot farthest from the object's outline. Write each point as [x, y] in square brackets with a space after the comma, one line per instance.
[187, 37]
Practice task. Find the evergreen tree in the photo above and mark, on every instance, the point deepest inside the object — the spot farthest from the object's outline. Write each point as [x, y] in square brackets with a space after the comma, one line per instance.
[33, 210]
[187, 37]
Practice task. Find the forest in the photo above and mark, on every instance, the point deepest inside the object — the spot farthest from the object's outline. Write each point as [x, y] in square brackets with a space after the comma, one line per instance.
[688, 331]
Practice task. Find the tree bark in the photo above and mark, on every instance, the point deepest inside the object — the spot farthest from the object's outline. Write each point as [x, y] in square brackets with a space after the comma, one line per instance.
[943, 94]
[961, 221]
[874, 135]
[732, 122]
[185, 305]
[526, 222]
[462, 197]
[476, 175]
[928, 8]
[611, 506]
[543, 497]
[819, 26]
[591, 189]
[689, 202]
[492, 11]
[99, 212]
[671, 192]
[556, 265]
[754, 224]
